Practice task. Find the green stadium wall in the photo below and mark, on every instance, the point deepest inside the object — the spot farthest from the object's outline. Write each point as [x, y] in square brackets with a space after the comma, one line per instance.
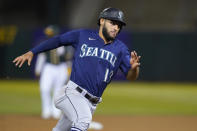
[166, 56]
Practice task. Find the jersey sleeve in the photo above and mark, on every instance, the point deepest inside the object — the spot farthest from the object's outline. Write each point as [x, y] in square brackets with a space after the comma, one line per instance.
[125, 61]
[68, 38]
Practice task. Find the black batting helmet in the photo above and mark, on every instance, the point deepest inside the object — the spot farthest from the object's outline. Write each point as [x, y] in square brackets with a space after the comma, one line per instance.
[112, 14]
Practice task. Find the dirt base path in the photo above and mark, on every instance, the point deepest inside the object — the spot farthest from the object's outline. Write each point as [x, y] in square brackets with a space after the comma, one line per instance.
[111, 123]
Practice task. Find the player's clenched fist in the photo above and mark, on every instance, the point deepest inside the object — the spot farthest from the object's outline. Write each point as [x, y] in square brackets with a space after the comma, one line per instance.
[19, 61]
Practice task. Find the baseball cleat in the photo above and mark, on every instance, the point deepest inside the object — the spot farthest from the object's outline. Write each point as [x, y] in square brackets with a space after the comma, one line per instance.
[96, 126]
[46, 115]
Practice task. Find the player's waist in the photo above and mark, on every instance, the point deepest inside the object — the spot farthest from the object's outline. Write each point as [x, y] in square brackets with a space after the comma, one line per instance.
[51, 65]
[93, 99]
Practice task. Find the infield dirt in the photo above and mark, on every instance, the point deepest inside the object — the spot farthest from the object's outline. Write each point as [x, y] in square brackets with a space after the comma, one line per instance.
[111, 123]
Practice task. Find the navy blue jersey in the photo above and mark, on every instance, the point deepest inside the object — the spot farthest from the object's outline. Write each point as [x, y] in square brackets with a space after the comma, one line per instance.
[94, 63]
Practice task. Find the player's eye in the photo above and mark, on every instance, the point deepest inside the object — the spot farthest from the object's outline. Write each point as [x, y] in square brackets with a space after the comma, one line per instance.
[113, 22]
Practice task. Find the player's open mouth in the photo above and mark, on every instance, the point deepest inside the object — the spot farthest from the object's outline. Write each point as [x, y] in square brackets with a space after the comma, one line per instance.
[113, 33]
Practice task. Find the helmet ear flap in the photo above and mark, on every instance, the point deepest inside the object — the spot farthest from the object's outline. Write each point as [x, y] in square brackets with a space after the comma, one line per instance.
[98, 22]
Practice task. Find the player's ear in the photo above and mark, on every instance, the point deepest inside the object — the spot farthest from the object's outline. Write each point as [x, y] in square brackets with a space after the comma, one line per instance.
[102, 21]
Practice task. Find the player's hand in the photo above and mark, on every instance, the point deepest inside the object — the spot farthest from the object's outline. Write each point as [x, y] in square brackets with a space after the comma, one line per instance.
[19, 61]
[135, 60]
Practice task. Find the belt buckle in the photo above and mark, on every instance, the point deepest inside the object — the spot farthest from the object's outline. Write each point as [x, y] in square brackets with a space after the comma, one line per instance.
[94, 100]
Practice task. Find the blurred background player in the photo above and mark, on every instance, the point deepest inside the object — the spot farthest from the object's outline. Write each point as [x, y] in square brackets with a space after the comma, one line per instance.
[54, 69]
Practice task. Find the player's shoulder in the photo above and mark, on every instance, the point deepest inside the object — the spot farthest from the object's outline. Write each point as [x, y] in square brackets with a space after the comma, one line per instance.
[83, 30]
[121, 45]
[77, 32]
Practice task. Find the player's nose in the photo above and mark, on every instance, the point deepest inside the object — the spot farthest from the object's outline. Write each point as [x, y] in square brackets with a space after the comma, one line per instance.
[116, 27]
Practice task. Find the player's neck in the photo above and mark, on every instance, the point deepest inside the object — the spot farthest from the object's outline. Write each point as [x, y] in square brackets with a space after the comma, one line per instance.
[102, 37]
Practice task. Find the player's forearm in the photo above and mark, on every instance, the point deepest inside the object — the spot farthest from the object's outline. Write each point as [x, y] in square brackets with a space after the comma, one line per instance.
[47, 45]
[133, 74]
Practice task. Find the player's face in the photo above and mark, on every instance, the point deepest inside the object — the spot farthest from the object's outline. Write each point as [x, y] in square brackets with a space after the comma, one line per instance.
[111, 29]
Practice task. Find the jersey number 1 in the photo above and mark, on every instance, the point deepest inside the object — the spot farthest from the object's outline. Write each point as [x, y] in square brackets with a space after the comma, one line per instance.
[108, 75]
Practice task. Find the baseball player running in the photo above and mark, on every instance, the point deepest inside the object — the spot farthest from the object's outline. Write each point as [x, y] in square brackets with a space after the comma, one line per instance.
[98, 56]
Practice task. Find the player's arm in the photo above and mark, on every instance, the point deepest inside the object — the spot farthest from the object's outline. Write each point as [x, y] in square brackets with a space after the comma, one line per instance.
[44, 46]
[69, 38]
[133, 72]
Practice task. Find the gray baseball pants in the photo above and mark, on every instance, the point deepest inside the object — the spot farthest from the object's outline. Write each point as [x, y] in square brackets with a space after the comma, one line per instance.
[76, 110]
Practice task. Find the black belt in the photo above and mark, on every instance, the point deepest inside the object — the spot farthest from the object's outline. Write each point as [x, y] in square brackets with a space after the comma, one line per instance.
[93, 100]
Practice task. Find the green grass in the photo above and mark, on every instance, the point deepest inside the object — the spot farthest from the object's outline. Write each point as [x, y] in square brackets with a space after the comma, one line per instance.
[150, 99]
[19, 97]
[22, 97]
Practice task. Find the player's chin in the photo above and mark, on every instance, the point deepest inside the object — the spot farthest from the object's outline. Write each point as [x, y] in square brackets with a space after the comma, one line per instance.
[113, 36]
